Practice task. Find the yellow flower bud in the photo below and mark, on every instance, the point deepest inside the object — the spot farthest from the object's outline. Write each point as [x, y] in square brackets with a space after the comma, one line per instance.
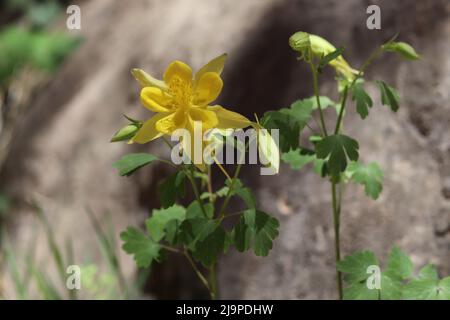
[306, 43]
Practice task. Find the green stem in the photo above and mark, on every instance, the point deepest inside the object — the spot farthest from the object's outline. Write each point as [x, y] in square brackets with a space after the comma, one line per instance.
[337, 244]
[167, 162]
[230, 192]
[191, 178]
[341, 112]
[223, 169]
[316, 93]
[213, 282]
[209, 186]
[196, 270]
[372, 57]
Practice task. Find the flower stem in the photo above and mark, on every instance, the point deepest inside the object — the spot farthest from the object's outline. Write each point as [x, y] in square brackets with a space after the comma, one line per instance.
[209, 186]
[337, 244]
[341, 111]
[190, 175]
[230, 192]
[223, 169]
[316, 93]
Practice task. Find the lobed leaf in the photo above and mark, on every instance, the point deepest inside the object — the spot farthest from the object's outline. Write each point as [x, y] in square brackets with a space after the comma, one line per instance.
[255, 228]
[144, 250]
[370, 176]
[399, 264]
[355, 265]
[298, 158]
[337, 148]
[171, 188]
[157, 223]
[389, 96]
[363, 100]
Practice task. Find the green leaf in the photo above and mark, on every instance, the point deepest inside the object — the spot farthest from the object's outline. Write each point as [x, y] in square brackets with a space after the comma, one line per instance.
[300, 111]
[391, 288]
[357, 276]
[205, 238]
[403, 49]
[190, 229]
[360, 291]
[338, 148]
[171, 188]
[389, 96]
[255, 228]
[41, 14]
[370, 176]
[222, 192]
[399, 264]
[132, 162]
[426, 286]
[145, 250]
[243, 192]
[49, 50]
[320, 167]
[156, 224]
[290, 121]
[195, 211]
[355, 265]
[427, 289]
[363, 100]
[330, 57]
[297, 158]
[428, 272]
[325, 102]
[40, 50]
[289, 129]
[444, 289]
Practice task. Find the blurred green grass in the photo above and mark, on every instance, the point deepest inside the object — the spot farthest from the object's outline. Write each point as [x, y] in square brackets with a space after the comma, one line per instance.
[31, 278]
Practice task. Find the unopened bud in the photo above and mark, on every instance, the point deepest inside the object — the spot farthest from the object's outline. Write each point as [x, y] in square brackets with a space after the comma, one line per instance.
[125, 133]
[300, 41]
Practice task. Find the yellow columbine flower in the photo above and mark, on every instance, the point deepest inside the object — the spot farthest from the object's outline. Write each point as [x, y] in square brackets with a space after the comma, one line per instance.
[181, 98]
[320, 47]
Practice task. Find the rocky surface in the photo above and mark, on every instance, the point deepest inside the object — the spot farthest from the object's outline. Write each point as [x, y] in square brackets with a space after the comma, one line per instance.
[62, 160]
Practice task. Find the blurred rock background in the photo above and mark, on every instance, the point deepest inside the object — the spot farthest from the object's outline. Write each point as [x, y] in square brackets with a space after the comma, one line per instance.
[59, 157]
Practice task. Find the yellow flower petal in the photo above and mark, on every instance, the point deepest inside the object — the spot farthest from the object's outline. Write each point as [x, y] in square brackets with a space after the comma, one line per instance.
[206, 117]
[146, 80]
[195, 146]
[178, 70]
[229, 119]
[208, 88]
[344, 68]
[171, 122]
[322, 47]
[155, 99]
[148, 130]
[215, 65]
[268, 150]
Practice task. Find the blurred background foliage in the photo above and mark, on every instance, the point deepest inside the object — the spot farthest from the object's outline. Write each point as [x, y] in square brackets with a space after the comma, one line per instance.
[29, 43]
[27, 40]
